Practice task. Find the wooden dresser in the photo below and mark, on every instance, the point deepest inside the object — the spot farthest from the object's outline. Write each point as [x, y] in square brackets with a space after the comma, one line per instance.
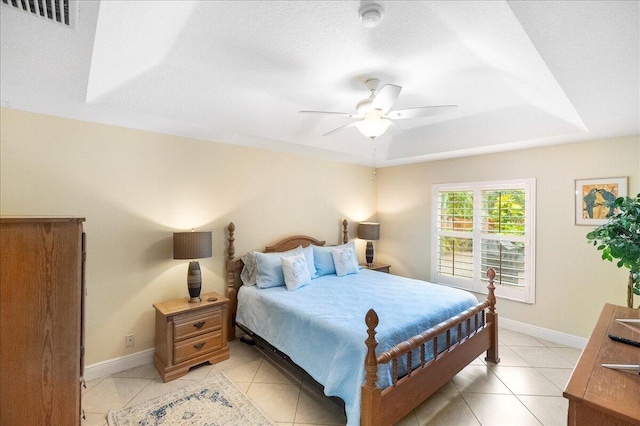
[599, 395]
[41, 328]
[188, 334]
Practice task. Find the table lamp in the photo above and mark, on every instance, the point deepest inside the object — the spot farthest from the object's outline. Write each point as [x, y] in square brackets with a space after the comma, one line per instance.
[371, 232]
[192, 245]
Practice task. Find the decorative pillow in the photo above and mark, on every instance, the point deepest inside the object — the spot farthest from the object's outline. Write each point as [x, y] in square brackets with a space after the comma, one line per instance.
[345, 261]
[323, 259]
[296, 271]
[308, 256]
[249, 270]
[270, 267]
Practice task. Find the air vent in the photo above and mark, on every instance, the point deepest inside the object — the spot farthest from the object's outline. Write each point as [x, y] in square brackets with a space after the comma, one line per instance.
[59, 11]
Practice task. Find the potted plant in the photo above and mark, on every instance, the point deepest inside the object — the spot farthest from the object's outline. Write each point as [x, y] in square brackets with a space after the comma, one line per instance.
[619, 238]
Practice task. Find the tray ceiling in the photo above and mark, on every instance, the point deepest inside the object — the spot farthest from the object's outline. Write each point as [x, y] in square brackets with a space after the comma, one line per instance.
[523, 74]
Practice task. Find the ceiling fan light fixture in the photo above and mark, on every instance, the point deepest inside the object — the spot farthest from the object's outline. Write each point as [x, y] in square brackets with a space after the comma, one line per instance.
[371, 14]
[374, 115]
[364, 106]
[373, 125]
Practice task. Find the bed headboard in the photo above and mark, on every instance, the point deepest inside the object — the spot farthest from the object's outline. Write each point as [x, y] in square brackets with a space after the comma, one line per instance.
[234, 266]
[293, 242]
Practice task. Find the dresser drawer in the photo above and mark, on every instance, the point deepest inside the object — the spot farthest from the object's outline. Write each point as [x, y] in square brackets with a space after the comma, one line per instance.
[186, 326]
[197, 346]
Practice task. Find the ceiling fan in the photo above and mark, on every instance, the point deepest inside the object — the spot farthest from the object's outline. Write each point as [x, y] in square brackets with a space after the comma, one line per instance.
[373, 114]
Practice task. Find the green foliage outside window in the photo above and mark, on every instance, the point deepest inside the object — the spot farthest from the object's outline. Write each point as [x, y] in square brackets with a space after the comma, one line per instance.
[456, 214]
[505, 212]
[456, 210]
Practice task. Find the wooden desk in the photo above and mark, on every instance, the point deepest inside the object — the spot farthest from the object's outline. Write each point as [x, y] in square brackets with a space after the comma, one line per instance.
[602, 396]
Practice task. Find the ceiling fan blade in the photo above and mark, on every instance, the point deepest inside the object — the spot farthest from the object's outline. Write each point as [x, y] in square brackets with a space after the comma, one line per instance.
[421, 112]
[340, 128]
[341, 114]
[386, 97]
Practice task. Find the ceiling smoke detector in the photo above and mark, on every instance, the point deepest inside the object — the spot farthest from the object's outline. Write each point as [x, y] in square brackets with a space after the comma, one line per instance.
[371, 14]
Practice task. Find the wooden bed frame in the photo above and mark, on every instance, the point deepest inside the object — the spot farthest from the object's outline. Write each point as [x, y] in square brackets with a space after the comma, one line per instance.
[387, 406]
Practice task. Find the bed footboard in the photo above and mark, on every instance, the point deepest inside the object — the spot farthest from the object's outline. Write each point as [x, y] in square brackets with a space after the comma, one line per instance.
[479, 334]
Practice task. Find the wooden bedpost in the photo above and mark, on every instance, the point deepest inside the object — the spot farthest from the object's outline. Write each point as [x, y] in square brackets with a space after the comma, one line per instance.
[231, 283]
[345, 231]
[492, 317]
[370, 399]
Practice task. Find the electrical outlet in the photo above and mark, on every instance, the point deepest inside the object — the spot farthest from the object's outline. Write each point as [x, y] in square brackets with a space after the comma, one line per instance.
[130, 340]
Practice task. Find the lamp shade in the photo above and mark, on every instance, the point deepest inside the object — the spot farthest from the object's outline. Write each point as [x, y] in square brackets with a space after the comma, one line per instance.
[369, 231]
[191, 245]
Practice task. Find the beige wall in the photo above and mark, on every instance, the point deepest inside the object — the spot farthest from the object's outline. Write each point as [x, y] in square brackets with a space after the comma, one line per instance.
[572, 283]
[135, 188]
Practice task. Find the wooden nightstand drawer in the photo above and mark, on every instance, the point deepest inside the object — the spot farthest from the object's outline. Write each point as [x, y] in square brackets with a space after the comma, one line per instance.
[197, 346]
[189, 325]
[188, 334]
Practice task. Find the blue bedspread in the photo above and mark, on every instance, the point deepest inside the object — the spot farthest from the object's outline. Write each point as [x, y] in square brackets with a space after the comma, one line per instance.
[321, 326]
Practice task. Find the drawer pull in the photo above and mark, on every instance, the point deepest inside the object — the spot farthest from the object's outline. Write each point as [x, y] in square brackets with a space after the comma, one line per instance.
[199, 324]
[199, 345]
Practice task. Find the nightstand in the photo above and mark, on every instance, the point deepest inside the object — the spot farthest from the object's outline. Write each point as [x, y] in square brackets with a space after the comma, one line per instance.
[380, 267]
[188, 334]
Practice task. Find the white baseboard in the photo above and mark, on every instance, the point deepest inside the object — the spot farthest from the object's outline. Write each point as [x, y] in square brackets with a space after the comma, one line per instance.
[543, 333]
[115, 365]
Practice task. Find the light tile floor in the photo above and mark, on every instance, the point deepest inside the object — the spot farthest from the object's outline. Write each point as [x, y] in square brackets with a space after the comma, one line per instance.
[524, 389]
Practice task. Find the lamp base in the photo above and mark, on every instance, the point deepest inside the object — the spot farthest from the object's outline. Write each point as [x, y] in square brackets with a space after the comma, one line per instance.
[194, 281]
[369, 253]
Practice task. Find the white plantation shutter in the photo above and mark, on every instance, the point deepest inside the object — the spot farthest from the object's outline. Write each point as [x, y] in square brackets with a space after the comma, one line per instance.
[454, 247]
[485, 224]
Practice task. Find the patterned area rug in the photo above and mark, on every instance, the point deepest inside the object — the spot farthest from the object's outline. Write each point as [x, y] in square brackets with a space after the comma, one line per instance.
[213, 401]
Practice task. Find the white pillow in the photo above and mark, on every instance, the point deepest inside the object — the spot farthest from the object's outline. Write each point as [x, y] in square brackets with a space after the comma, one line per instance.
[296, 271]
[249, 270]
[323, 261]
[345, 261]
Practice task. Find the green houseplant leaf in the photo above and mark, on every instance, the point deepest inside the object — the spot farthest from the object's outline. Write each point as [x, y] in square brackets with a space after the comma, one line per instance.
[619, 238]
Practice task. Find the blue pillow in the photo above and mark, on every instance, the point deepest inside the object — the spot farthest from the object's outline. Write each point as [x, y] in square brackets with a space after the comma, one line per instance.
[324, 260]
[270, 267]
[308, 256]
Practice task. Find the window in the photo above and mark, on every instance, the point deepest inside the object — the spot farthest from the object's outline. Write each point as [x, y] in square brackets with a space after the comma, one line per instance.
[480, 225]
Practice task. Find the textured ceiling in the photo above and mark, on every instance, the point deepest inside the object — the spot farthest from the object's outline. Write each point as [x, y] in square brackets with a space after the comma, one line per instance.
[523, 74]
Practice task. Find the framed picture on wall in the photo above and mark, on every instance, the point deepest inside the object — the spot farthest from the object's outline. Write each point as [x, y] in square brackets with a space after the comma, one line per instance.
[595, 199]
